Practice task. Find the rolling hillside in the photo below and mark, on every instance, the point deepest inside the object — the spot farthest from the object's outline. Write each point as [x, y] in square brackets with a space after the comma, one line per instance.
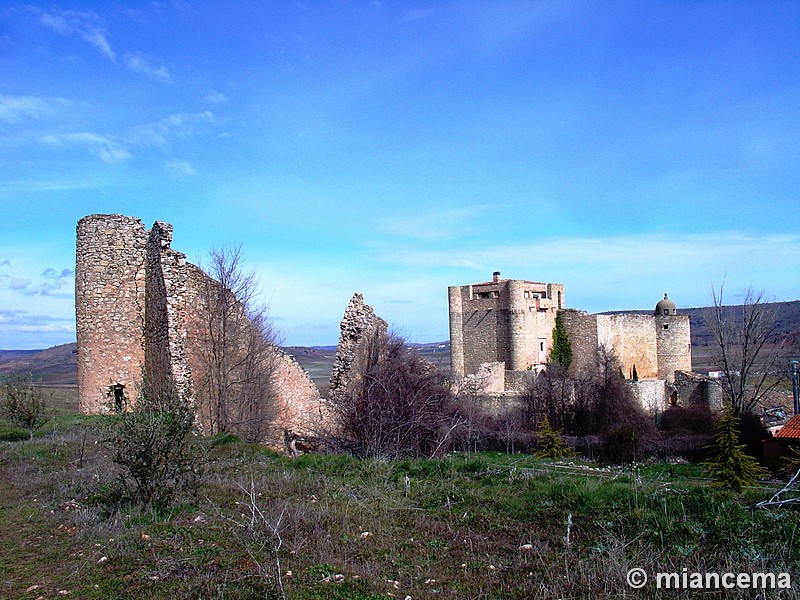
[57, 365]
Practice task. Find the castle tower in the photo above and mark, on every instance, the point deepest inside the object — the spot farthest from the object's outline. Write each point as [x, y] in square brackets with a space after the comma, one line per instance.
[109, 310]
[673, 340]
[502, 321]
[456, 331]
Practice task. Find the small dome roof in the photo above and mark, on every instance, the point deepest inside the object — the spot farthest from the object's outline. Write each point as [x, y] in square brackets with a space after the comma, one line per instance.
[666, 307]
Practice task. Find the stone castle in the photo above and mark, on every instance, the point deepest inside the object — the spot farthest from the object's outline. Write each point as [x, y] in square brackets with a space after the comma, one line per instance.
[138, 308]
[502, 330]
[139, 312]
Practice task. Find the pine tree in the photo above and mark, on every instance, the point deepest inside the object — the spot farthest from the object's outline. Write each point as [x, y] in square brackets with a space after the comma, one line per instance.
[552, 446]
[730, 466]
[561, 352]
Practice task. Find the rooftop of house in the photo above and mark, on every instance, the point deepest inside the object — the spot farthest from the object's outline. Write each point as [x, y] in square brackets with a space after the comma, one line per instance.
[791, 429]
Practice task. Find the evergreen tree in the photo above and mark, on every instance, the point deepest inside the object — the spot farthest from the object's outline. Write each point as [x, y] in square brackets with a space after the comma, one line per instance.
[561, 352]
[552, 446]
[730, 466]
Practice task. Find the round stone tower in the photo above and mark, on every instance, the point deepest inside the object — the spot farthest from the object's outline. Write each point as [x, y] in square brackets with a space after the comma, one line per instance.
[109, 310]
[455, 303]
[673, 340]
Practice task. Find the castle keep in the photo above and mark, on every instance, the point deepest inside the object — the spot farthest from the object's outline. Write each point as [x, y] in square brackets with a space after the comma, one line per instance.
[501, 328]
[139, 309]
[502, 320]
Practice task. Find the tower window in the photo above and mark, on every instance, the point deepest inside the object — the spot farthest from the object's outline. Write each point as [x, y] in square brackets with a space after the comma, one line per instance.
[666, 325]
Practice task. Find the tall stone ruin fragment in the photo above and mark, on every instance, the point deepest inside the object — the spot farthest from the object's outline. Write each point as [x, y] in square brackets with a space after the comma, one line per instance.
[362, 331]
[138, 309]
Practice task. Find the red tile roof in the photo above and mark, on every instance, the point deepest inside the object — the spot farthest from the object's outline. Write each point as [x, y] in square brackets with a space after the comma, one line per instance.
[791, 429]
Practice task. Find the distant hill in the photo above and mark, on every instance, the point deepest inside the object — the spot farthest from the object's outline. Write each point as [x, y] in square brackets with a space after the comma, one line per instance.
[58, 364]
[787, 316]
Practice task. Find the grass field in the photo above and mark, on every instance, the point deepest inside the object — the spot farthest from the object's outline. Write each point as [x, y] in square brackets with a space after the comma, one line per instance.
[260, 525]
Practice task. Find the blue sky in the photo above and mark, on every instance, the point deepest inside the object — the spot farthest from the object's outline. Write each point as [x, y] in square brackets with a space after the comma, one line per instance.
[624, 149]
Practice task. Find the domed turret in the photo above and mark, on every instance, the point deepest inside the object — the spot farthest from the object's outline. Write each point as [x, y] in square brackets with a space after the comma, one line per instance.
[666, 307]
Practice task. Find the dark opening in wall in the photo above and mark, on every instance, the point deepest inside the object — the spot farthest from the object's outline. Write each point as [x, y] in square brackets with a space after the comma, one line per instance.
[117, 392]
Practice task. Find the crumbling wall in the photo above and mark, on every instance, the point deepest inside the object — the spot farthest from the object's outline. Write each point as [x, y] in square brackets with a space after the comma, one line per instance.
[490, 378]
[362, 332]
[650, 394]
[695, 389]
[139, 310]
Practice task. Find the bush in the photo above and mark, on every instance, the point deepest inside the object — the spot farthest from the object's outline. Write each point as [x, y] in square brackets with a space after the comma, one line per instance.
[730, 466]
[399, 406]
[23, 403]
[152, 442]
[687, 419]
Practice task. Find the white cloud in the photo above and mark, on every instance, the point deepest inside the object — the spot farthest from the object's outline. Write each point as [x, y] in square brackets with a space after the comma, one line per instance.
[216, 97]
[619, 272]
[431, 225]
[50, 328]
[415, 14]
[87, 25]
[183, 168]
[15, 108]
[108, 150]
[178, 125]
[139, 64]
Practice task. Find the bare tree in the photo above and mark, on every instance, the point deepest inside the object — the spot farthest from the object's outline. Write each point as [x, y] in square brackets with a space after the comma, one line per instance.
[397, 408]
[746, 348]
[238, 350]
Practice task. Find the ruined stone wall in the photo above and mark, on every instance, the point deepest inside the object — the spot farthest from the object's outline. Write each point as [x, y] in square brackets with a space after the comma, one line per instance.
[110, 281]
[362, 332]
[140, 309]
[695, 389]
[651, 394]
[299, 406]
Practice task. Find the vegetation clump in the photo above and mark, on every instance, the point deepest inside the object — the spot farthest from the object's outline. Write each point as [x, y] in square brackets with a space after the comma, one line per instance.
[24, 403]
[730, 466]
[561, 352]
[551, 445]
[152, 442]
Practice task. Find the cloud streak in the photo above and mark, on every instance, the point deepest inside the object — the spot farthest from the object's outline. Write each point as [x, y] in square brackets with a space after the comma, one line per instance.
[88, 25]
[119, 148]
[139, 64]
[14, 109]
[105, 148]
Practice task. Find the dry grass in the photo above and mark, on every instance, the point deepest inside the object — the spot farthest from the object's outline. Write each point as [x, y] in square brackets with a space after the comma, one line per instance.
[465, 526]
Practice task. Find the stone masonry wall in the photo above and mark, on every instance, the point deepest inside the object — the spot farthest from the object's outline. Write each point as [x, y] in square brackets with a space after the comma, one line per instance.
[360, 329]
[139, 307]
[509, 321]
[673, 340]
[109, 308]
[581, 329]
[633, 339]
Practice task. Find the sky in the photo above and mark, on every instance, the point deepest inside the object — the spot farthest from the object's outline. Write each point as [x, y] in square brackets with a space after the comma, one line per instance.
[624, 149]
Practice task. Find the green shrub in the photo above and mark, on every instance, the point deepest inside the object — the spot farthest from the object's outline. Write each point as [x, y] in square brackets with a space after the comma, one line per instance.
[729, 465]
[152, 442]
